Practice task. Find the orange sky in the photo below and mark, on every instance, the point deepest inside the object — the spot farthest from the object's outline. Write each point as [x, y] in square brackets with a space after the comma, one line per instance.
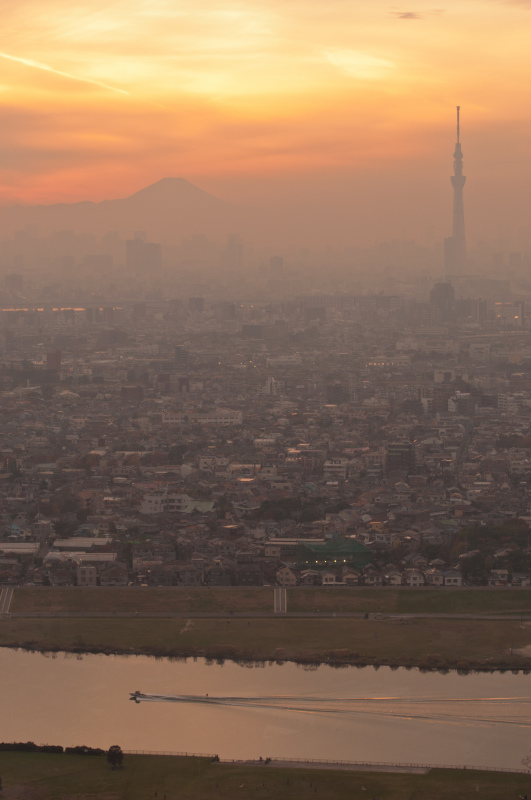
[256, 99]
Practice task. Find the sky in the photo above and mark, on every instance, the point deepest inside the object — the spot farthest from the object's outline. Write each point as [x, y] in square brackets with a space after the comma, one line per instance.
[260, 101]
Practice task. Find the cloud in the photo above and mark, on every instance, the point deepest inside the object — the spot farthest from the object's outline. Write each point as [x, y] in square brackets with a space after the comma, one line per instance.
[359, 64]
[434, 12]
[28, 62]
[407, 15]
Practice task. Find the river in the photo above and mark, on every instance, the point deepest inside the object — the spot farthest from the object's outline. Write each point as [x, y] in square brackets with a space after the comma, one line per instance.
[279, 710]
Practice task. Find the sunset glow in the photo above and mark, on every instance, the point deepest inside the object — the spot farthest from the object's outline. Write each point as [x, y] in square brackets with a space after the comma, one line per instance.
[101, 98]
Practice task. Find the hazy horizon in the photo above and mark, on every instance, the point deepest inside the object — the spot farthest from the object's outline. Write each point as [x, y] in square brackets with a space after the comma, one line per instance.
[324, 214]
[343, 117]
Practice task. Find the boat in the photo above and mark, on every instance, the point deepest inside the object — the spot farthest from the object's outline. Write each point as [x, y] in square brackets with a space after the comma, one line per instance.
[176, 698]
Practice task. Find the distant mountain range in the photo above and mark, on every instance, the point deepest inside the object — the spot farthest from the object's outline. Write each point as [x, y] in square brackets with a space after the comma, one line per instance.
[168, 210]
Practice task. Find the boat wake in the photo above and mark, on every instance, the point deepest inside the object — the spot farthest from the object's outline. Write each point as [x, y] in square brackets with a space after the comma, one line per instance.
[471, 710]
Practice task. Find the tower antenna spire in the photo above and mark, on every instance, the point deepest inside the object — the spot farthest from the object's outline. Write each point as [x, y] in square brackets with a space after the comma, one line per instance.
[455, 245]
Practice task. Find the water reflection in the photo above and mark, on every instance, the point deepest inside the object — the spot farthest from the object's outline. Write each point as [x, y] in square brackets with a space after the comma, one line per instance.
[498, 710]
[352, 714]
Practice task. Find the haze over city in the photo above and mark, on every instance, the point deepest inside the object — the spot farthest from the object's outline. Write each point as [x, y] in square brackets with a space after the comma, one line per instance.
[265, 399]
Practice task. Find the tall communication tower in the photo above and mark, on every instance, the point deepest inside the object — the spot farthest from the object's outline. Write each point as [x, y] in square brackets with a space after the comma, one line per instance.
[455, 246]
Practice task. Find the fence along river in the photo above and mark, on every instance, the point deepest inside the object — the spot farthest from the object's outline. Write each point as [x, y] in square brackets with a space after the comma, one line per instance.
[347, 714]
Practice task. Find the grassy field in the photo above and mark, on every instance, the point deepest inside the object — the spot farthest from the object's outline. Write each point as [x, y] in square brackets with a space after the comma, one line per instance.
[260, 599]
[144, 599]
[439, 643]
[411, 601]
[55, 777]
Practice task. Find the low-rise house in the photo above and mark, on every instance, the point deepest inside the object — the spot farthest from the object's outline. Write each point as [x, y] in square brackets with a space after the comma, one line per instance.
[415, 560]
[9, 573]
[219, 575]
[328, 578]
[61, 574]
[170, 574]
[142, 564]
[434, 577]
[249, 575]
[189, 575]
[392, 577]
[272, 550]
[114, 575]
[521, 579]
[372, 576]
[225, 547]
[287, 576]
[413, 578]
[452, 577]
[310, 577]
[498, 577]
[351, 577]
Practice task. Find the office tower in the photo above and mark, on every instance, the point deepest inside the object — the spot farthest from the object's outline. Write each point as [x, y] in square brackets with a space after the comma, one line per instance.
[196, 304]
[181, 358]
[142, 257]
[53, 361]
[442, 300]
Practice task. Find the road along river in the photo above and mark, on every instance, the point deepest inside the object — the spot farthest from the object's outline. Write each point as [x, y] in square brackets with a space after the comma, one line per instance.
[281, 710]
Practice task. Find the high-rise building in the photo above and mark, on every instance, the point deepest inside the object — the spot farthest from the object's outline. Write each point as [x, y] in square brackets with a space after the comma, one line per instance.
[196, 304]
[181, 358]
[442, 300]
[276, 266]
[455, 246]
[231, 256]
[14, 282]
[53, 361]
[400, 456]
[141, 256]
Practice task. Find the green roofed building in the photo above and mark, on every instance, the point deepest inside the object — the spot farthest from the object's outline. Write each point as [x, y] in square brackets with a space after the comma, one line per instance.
[333, 553]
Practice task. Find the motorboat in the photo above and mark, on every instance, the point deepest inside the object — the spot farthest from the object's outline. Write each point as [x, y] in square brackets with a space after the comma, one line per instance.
[175, 698]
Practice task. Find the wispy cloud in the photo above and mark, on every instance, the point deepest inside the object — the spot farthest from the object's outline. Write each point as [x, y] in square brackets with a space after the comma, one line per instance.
[28, 62]
[406, 14]
[434, 12]
[359, 64]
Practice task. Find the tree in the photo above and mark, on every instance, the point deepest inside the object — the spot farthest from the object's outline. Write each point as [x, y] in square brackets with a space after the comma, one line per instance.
[115, 756]
[176, 453]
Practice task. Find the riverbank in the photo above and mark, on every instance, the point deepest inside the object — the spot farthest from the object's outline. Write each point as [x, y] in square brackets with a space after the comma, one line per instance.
[28, 776]
[461, 644]
[227, 600]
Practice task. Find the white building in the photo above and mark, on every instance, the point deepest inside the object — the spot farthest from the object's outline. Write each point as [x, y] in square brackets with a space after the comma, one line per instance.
[336, 468]
[219, 417]
[87, 575]
[164, 502]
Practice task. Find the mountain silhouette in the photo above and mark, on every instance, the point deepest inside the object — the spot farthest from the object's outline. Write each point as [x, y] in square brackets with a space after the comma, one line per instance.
[170, 190]
[168, 210]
